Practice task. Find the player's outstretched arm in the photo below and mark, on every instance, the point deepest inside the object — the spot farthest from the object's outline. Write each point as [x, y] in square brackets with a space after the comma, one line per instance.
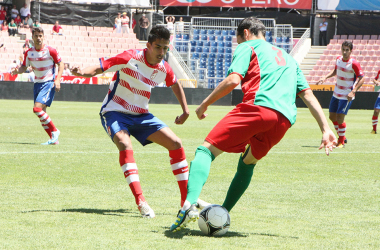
[87, 72]
[225, 87]
[19, 70]
[180, 94]
[328, 137]
[331, 74]
[376, 82]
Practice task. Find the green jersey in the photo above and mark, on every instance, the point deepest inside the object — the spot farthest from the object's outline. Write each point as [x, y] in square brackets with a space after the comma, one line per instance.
[269, 76]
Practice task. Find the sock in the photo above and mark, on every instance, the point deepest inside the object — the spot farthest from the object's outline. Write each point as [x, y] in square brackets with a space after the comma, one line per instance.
[336, 126]
[180, 170]
[375, 119]
[239, 184]
[131, 174]
[45, 120]
[199, 171]
[342, 132]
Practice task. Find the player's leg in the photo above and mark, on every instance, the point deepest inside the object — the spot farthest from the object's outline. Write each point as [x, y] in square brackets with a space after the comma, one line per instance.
[343, 107]
[375, 117]
[333, 107]
[166, 138]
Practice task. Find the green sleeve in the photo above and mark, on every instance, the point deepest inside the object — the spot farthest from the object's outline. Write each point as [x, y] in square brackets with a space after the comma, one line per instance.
[241, 60]
[301, 81]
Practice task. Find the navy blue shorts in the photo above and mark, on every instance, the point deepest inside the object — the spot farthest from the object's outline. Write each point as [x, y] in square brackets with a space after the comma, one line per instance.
[139, 126]
[377, 103]
[339, 106]
[44, 92]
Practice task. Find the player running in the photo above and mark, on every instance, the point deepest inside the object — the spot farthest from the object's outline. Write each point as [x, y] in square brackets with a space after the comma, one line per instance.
[376, 111]
[271, 81]
[125, 109]
[350, 78]
[43, 58]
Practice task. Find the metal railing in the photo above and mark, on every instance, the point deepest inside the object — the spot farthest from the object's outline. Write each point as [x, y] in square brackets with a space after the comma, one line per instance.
[301, 42]
[221, 22]
[181, 62]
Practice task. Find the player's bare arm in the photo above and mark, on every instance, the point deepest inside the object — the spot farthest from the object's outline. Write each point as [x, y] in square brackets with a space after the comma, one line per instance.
[331, 74]
[351, 95]
[225, 87]
[180, 94]
[19, 70]
[87, 72]
[328, 138]
[57, 81]
[376, 82]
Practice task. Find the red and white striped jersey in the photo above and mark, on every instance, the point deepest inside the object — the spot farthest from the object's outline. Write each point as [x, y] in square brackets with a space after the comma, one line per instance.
[346, 74]
[377, 78]
[43, 62]
[130, 89]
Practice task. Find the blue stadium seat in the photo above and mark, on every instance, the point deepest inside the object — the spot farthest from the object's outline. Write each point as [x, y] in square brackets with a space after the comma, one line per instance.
[211, 38]
[218, 32]
[221, 50]
[224, 32]
[214, 50]
[229, 60]
[207, 44]
[195, 56]
[210, 67]
[227, 64]
[221, 44]
[212, 54]
[229, 44]
[186, 37]
[219, 73]
[269, 39]
[211, 83]
[178, 48]
[214, 44]
[184, 48]
[228, 38]
[219, 64]
[229, 56]
[193, 43]
[220, 56]
[204, 55]
[210, 32]
[228, 50]
[192, 49]
[211, 73]
[178, 37]
[200, 43]
[199, 49]
[202, 65]
[219, 67]
[196, 37]
[220, 38]
[206, 49]
[287, 39]
[178, 43]
[203, 32]
[196, 32]
[232, 32]
[204, 38]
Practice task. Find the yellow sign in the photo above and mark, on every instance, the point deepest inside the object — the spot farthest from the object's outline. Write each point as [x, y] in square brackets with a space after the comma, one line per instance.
[322, 87]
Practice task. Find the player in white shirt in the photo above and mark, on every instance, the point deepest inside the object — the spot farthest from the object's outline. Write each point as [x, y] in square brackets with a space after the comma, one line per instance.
[43, 59]
[125, 109]
[350, 78]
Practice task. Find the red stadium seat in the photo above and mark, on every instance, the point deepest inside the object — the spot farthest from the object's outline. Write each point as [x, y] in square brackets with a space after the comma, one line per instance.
[344, 37]
[366, 37]
[355, 52]
[371, 52]
[111, 45]
[371, 63]
[82, 28]
[351, 37]
[377, 53]
[367, 58]
[333, 41]
[324, 68]
[371, 42]
[312, 72]
[335, 53]
[89, 28]
[360, 58]
[330, 57]
[374, 58]
[378, 42]
[108, 40]
[309, 78]
[373, 37]
[331, 67]
[97, 28]
[340, 41]
[315, 68]
[364, 53]
[369, 47]
[326, 52]
[101, 39]
[336, 36]
[364, 63]
[320, 73]
[337, 47]
[376, 47]
[361, 47]
[322, 58]
[359, 37]
[363, 42]
[330, 47]
[319, 63]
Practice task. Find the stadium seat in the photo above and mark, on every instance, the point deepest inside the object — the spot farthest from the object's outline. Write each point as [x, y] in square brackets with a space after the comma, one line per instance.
[214, 44]
[210, 32]
[203, 32]
[359, 37]
[228, 60]
[196, 31]
[204, 55]
[193, 43]
[214, 50]
[221, 44]
[319, 63]
[178, 48]
[211, 38]
[210, 64]
[344, 37]
[367, 58]
[192, 49]
[220, 38]
[351, 37]
[212, 55]
[228, 44]
[228, 38]
[200, 43]
[371, 52]
[206, 49]
[204, 38]
[336, 36]
[364, 53]
[219, 59]
[186, 37]
[218, 32]
[233, 33]
[220, 56]
[224, 32]
[333, 41]
[196, 37]
[210, 73]
[202, 65]
[221, 50]
[312, 73]
[178, 37]
[228, 50]
[199, 49]
[366, 37]
[195, 56]
[322, 57]
[219, 73]
[207, 44]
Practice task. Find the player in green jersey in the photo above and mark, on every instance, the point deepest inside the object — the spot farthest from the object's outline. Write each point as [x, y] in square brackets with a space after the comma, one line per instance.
[271, 81]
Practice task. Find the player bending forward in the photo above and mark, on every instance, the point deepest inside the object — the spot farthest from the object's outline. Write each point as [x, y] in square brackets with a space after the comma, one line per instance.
[270, 80]
[376, 111]
[125, 109]
[43, 59]
[347, 70]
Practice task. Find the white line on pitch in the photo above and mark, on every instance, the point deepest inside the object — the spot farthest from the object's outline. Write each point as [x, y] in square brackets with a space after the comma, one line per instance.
[164, 152]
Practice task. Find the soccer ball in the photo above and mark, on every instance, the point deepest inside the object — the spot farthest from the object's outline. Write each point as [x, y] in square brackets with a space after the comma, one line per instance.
[214, 220]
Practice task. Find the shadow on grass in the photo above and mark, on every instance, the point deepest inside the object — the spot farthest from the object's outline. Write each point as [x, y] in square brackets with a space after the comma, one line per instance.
[21, 143]
[310, 146]
[116, 212]
[188, 232]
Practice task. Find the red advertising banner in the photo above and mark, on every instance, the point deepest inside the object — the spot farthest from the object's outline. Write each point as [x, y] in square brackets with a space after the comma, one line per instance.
[285, 4]
[79, 80]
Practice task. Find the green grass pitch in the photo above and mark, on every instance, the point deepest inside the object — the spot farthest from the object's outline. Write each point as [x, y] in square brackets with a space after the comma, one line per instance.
[74, 196]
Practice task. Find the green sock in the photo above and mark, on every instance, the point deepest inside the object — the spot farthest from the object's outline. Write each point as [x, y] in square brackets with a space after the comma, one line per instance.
[239, 184]
[199, 171]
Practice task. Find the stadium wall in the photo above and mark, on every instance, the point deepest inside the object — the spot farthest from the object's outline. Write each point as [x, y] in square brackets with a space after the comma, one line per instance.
[96, 93]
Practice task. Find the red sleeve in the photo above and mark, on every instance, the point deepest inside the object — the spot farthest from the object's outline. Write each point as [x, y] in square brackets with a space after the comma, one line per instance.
[378, 74]
[117, 62]
[25, 56]
[356, 67]
[336, 66]
[54, 54]
[170, 76]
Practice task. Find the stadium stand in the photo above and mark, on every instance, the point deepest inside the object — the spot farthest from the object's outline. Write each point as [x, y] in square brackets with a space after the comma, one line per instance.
[80, 45]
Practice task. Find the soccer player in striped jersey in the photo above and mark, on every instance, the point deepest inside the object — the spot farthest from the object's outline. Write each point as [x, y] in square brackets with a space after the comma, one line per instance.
[376, 111]
[350, 78]
[271, 81]
[125, 109]
[43, 60]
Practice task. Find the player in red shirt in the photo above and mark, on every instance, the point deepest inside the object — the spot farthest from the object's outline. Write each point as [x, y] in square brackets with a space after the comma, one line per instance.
[125, 113]
[375, 117]
[18, 20]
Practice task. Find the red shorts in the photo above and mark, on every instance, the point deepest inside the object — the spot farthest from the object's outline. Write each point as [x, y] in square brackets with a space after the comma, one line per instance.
[247, 123]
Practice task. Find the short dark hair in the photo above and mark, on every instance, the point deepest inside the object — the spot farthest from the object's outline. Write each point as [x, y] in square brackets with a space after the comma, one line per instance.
[252, 24]
[37, 29]
[158, 32]
[347, 44]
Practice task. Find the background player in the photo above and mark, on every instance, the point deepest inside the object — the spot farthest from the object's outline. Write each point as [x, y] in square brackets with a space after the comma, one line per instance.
[125, 109]
[271, 81]
[376, 111]
[43, 59]
[350, 78]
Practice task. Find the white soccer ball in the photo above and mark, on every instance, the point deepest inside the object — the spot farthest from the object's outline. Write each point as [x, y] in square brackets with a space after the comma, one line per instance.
[214, 220]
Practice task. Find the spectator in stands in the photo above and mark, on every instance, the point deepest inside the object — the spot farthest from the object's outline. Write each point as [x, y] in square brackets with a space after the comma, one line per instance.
[376, 111]
[14, 12]
[323, 32]
[24, 12]
[25, 23]
[4, 26]
[3, 15]
[12, 28]
[125, 23]
[27, 45]
[57, 29]
[144, 25]
[181, 25]
[133, 24]
[36, 24]
[118, 23]
[18, 21]
[30, 22]
[66, 70]
[170, 23]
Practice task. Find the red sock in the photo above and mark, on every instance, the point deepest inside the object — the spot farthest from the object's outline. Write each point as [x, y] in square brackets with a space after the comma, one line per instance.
[375, 119]
[180, 170]
[131, 174]
[336, 126]
[342, 132]
[45, 120]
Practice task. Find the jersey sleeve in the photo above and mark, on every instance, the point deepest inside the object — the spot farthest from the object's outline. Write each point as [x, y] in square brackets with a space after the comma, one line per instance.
[378, 74]
[357, 68]
[241, 60]
[117, 62]
[54, 54]
[25, 63]
[302, 84]
[170, 76]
